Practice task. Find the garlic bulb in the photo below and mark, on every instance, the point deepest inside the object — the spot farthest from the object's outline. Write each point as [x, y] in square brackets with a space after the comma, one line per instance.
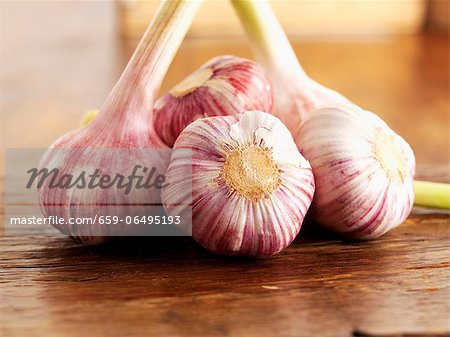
[121, 123]
[295, 93]
[251, 187]
[225, 85]
[363, 171]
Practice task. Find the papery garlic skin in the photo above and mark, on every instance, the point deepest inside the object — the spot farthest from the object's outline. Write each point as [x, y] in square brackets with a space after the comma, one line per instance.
[225, 85]
[251, 188]
[363, 171]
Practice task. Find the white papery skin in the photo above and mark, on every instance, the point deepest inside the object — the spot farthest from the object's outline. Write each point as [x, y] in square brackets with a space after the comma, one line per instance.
[224, 220]
[363, 171]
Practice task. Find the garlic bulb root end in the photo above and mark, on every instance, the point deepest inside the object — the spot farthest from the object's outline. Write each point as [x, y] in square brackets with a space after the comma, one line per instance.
[251, 172]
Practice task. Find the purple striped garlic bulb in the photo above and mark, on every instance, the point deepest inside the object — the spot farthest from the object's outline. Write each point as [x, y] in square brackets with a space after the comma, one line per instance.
[225, 85]
[251, 187]
[363, 171]
[115, 141]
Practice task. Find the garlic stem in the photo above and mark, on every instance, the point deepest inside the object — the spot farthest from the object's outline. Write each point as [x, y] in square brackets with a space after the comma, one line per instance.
[268, 39]
[432, 195]
[88, 117]
[295, 93]
[140, 82]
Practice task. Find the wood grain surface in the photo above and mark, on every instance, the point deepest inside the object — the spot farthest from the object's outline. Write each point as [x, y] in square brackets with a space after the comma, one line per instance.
[320, 286]
[66, 59]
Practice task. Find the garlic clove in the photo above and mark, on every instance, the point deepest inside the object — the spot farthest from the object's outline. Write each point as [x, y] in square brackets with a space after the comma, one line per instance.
[363, 171]
[225, 85]
[251, 188]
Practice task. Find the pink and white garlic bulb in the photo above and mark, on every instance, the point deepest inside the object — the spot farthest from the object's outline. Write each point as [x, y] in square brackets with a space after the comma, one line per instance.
[119, 138]
[297, 95]
[363, 171]
[225, 85]
[251, 187]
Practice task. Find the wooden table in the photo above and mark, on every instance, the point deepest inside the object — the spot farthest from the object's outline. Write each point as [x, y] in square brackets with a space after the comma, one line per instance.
[66, 58]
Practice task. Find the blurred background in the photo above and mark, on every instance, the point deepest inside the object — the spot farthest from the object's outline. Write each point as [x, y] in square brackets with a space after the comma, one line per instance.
[58, 59]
